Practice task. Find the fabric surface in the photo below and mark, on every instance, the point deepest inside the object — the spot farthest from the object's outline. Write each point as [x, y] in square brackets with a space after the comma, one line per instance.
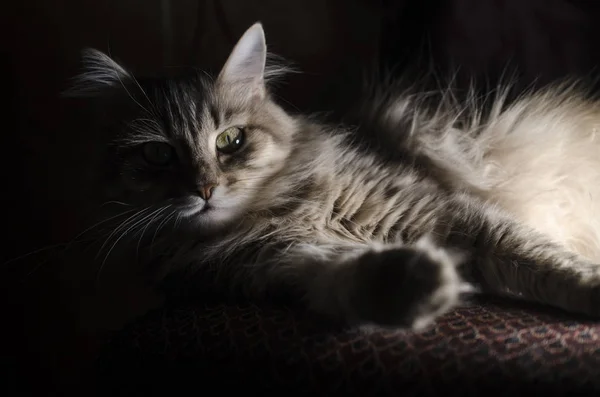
[487, 347]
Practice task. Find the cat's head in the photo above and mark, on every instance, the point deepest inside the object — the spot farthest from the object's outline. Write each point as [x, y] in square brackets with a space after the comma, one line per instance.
[205, 147]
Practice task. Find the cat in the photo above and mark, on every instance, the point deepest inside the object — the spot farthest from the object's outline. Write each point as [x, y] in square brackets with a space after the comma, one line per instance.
[505, 201]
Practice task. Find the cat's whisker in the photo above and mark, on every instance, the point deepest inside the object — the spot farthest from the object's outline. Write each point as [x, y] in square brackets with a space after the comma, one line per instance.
[125, 223]
[177, 220]
[155, 217]
[125, 233]
[155, 110]
[114, 202]
[148, 122]
[161, 225]
[143, 231]
[48, 259]
[282, 99]
[348, 222]
[36, 251]
[66, 246]
[154, 240]
[76, 240]
[136, 221]
[260, 177]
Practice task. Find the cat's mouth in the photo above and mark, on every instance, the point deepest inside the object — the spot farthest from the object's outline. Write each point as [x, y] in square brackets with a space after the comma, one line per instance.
[189, 212]
[194, 206]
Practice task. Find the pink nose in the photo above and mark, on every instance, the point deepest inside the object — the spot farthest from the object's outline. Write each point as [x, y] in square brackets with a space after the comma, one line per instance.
[206, 191]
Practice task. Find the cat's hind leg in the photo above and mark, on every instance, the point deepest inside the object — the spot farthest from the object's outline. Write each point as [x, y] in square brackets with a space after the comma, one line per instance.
[510, 258]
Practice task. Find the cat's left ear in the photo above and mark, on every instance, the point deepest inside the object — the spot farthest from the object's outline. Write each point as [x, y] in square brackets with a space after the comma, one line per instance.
[245, 67]
[100, 73]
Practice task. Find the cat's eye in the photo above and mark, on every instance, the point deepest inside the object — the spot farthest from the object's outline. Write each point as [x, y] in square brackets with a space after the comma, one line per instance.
[159, 154]
[230, 140]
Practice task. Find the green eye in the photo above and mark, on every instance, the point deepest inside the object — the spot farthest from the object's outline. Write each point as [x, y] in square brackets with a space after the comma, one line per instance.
[230, 140]
[158, 153]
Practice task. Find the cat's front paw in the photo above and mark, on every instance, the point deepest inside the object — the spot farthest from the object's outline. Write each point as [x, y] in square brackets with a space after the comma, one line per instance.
[405, 287]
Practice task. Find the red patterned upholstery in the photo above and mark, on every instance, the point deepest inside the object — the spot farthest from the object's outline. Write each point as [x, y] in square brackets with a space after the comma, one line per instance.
[488, 347]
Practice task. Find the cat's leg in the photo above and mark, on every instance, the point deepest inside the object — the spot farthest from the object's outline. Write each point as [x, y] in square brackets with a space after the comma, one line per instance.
[508, 257]
[385, 285]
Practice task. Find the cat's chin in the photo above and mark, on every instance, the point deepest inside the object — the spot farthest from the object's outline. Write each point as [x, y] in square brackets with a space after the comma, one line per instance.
[191, 211]
[197, 212]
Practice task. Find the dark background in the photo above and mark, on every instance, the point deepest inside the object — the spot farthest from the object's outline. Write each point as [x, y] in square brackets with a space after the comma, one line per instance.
[53, 327]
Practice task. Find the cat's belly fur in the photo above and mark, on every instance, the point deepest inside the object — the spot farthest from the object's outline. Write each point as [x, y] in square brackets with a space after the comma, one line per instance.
[539, 160]
[545, 170]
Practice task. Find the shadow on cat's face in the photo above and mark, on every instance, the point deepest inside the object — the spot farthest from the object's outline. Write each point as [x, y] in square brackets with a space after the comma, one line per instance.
[198, 149]
[201, 148]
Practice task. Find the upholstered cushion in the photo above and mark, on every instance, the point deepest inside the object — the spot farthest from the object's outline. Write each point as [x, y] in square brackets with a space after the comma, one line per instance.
[489, 346]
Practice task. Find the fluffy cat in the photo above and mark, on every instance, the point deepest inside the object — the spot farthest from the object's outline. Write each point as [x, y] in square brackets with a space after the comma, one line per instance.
[265, 201]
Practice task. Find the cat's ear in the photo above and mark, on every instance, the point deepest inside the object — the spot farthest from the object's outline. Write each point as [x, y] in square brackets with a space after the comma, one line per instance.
[245, 67]
[100, 73]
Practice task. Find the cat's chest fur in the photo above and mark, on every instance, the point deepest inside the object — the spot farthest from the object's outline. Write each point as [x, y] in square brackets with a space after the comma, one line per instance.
[341, 192]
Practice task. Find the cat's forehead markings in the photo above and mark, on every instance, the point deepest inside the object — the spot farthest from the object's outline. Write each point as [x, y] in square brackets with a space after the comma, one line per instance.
[215, 115]
[193, 124]
[228, 114]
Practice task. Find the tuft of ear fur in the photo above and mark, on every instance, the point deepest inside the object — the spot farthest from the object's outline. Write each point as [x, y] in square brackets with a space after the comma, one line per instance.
[100, 72]
[276, 68]
[245, 67]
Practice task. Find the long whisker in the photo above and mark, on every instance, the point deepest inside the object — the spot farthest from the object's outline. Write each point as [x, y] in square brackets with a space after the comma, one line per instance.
[177, 220]
[40, 264]
[121, 226]
[251, 179]
[114, 202]
[146, 228]
[135, 224]
[100, 223]
[66, 245]
[160, 226]
[39, 250]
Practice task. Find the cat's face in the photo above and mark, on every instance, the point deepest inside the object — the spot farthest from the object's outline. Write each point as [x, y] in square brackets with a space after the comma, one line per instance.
[202, 148]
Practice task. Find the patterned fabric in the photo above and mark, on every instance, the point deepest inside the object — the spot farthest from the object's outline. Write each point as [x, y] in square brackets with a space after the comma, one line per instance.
[487, 347]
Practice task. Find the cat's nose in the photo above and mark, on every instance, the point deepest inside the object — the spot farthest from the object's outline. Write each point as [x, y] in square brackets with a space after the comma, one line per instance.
[206, 191]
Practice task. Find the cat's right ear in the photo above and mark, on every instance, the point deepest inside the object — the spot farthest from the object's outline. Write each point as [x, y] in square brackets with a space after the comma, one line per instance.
[100, 73]
[244, 70]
